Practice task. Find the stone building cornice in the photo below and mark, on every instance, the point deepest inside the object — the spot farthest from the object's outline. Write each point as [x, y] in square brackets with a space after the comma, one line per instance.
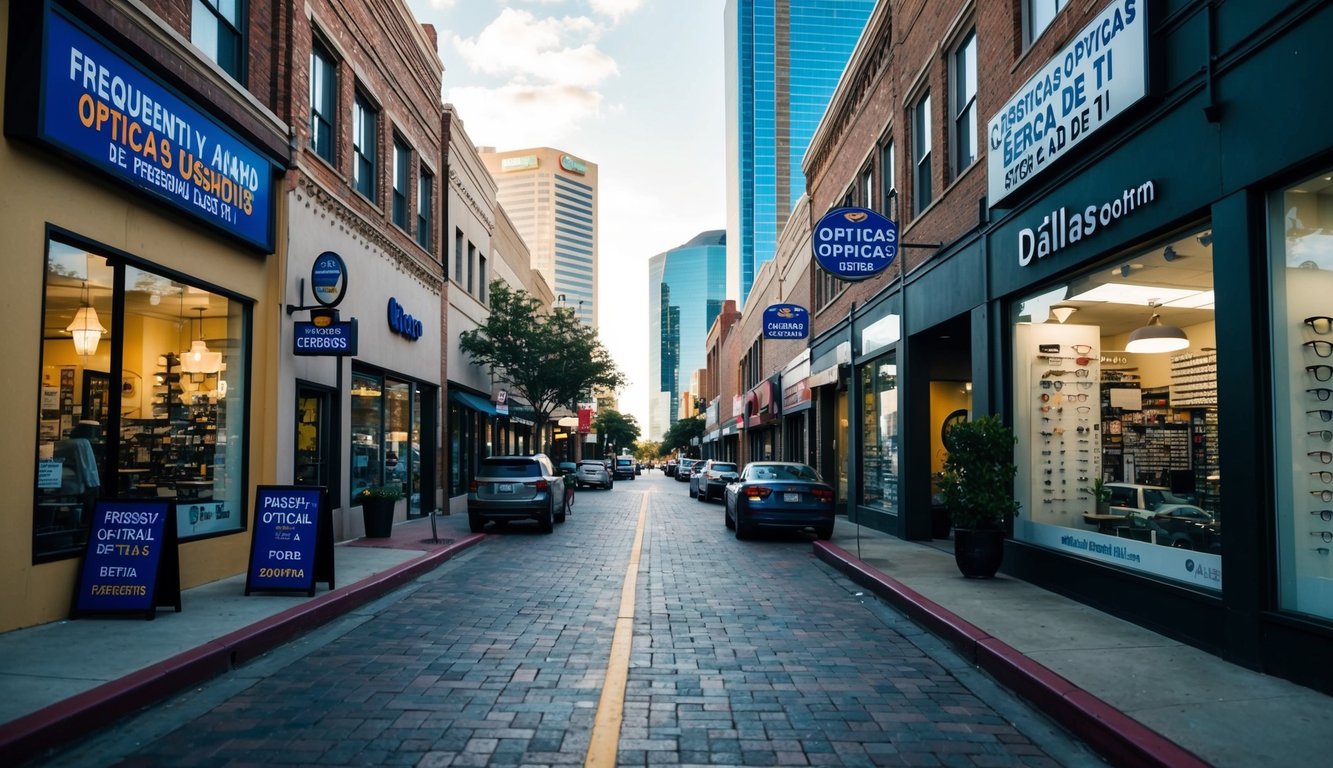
[485, 216]
[373, 235]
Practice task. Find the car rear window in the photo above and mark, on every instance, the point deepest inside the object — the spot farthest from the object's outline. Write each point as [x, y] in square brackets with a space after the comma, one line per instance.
[597, 464]
[509, 468]
[624, 461]
[720, 467]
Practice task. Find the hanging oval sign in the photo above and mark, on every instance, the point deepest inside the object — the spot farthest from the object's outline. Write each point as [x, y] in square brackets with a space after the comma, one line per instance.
[855, 243]
[328, 279]
[786, 321]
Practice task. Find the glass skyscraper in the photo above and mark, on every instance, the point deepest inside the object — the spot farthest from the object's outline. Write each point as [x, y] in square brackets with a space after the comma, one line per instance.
[686, 288]
[784, 59]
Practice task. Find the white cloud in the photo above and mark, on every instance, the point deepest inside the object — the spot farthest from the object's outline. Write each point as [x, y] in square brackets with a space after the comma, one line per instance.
[615, 8]
[442, 5]
[524, 115]
[521, 46]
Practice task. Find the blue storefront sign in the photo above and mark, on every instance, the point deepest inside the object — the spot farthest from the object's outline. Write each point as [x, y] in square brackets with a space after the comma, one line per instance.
[100, 106]
[325, 340]
[786, 321]
[403, 324]
[854, 243]
[125, 548]
[286, 534]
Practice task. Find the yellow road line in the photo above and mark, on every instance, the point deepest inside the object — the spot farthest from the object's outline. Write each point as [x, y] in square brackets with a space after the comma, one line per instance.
[611, 709]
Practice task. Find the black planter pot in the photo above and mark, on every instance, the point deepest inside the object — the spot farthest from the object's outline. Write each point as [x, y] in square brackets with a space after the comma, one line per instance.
[978, 552]
[378, 517]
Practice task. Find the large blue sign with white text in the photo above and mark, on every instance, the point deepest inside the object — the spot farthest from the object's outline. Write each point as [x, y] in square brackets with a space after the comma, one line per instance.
[786, 321]
[282, 552]
[333, 339]
[854, 243]
[100, 106]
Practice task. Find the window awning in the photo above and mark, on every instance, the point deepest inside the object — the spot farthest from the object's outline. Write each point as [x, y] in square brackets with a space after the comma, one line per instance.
[475, 402]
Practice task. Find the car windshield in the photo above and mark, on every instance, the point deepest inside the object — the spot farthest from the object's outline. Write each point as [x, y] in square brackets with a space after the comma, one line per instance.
[509, 468]
[782, 472]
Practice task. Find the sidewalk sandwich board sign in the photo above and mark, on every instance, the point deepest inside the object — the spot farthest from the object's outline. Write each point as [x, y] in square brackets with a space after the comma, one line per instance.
[291, 547]
[132, 564]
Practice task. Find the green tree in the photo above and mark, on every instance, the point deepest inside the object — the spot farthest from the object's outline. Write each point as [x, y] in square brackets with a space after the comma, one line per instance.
[615, 430]
[548, 359]
[648, 450]
[679, 436]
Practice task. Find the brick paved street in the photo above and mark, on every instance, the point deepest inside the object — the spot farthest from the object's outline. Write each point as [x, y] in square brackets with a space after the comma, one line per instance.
[744, 653]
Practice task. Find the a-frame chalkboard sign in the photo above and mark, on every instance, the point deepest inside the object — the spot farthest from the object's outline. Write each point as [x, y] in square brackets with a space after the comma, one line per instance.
[132, 562]
[291, 547]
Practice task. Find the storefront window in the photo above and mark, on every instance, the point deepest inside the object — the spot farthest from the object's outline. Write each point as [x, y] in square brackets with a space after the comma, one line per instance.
[386, 434]
[1301, 223]
[879, 434]
[1115, 380]
[166, 375]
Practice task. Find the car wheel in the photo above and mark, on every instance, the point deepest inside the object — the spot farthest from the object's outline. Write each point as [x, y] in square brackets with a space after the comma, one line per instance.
[564, 510]
[475, 523]
[693, 495]
[743, 529]
[547, 521]
[702, 495]
[726, 518]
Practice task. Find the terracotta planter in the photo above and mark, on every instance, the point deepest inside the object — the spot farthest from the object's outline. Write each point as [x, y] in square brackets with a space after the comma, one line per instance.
[378, 517]
[978, 552]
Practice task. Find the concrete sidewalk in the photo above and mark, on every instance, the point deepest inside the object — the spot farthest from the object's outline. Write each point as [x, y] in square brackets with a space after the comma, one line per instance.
[1137, 697]
[63, 680]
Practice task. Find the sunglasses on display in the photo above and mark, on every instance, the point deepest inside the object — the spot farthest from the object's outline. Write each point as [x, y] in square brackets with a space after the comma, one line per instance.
[1324, 514]
[1320, 372]
[1051, 373]
[1320, 347]
[1059, 385]
[1325, 535]
[1323, 434]
[1078, 397]
[1320, 324]
[1323, 456]
[1326, 415]
[1082, 373]
[1085, 409]
[1081, 349]
[1322, 495]
[1323, 393]
[1086, 384]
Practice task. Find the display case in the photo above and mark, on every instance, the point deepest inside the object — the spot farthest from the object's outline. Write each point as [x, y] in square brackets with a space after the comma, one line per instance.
[172, 454]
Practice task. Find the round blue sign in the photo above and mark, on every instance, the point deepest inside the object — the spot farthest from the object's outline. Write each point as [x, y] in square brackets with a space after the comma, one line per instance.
[328, 279]
[855, 243]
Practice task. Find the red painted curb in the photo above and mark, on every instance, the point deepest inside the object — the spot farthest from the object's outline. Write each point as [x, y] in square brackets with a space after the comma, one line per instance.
[1113, 734]
[29, 736]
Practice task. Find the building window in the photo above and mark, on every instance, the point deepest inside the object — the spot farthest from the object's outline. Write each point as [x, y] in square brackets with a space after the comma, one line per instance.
[323, 101]
[1301, 278]
[1090, 403]
[365, 135]
[867, 189]
[879, 434]
[921, 145]
[425, 219]
[215, 28]
[1039, 14]
[172, 392]
[827, 288]
[888, 170]
[965, 104]
[471, 264]
[481, 278]
[458, 255]
[387, 428]
[402, 181]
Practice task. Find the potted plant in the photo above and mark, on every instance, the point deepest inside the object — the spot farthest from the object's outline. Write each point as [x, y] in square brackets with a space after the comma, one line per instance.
[377, 502]
[976, 485]
[1100, 494]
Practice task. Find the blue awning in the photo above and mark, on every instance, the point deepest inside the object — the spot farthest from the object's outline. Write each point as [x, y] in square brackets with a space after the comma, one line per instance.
[475, 402]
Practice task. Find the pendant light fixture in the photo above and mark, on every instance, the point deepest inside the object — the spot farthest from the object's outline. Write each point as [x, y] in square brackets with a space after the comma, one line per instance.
[1063, 311]
[1155, 337]
[198, 358]
[86, 329]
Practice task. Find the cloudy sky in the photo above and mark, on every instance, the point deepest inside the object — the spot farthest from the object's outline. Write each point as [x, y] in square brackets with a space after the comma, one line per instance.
[635, 86]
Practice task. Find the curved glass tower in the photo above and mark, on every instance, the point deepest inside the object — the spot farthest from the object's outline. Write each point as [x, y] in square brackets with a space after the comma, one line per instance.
[686, 288]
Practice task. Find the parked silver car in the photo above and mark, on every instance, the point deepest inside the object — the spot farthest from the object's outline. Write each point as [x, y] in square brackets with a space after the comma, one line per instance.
[712, 480]
[593, 472]
[509, 488]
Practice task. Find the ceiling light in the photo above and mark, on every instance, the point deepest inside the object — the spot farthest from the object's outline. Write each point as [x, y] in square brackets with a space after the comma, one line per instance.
[1130, 293]
[86, 329]
[198, 358]
[1155, 337]
[1170, 254]
[1062, 312]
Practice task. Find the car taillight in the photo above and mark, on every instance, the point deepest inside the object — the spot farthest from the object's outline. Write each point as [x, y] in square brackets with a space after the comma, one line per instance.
[823, 494]
[757, 492]
[541, 485]
[472, 486]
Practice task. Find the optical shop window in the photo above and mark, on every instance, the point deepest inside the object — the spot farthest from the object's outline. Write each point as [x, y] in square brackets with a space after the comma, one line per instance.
[1116, 414]
[1301, 227]
[175, 396]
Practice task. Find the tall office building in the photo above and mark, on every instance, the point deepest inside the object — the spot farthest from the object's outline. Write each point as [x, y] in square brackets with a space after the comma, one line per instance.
[551, 196]
[783, 59]
[686, 288]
